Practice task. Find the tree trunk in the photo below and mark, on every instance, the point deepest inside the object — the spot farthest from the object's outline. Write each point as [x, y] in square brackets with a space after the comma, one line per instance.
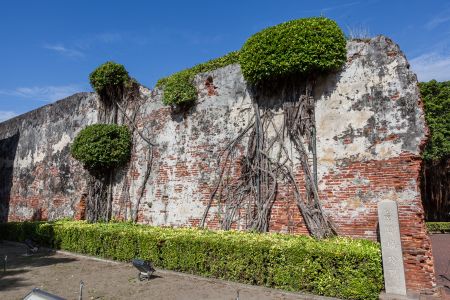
[266, 163]
[96, 208]
[435, 188]
[100, 183]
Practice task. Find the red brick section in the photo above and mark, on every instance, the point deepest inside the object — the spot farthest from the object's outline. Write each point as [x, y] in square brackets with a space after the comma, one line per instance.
[351, 197]
[80, 212]
[285, 216]
[349, 193]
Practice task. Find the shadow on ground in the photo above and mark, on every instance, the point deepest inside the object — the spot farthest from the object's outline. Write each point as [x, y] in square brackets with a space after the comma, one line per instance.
[60, 274]
[18, 264]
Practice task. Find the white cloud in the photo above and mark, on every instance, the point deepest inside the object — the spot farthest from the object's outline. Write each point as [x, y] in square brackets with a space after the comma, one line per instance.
[340, 6]
[432, 65]
[335, 7]
[43, 93]
[443, 17]
[5, 115]
[59, 48]
[80, 47]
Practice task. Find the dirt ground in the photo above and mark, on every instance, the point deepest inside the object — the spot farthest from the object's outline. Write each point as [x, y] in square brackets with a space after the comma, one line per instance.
[60, 274]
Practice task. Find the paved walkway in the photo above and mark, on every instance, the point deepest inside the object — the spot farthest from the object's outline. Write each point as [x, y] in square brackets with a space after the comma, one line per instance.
[441, 254]
[60, 273]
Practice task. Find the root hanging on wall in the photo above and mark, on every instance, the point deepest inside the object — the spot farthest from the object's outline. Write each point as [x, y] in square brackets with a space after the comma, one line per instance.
[97, 198]
[276, 143]
[114, 103]
[131, 122]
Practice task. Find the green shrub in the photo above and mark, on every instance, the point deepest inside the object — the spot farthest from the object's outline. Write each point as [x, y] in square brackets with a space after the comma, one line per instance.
[338, 267]
[109, 74]
[436, 97]
[438, 227]
[179, 88]
[102, 146]
[300, 47]
[304, 47]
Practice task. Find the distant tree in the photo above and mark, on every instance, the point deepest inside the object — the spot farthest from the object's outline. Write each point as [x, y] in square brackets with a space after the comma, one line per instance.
[436, 97]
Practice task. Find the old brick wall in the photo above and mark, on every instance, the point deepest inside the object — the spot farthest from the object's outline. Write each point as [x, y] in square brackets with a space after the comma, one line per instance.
[370, 130]
[39, 179]
[369, 148]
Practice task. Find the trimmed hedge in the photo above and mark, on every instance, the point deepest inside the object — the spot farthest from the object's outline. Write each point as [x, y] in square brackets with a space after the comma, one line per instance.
[107, 75]
[338, 267]
[309, 46]
[304, 47]
[102, 146]
[179, 88]
[438, 227]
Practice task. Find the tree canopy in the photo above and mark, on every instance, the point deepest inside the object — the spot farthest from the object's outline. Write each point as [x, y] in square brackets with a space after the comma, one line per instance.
[436, 97]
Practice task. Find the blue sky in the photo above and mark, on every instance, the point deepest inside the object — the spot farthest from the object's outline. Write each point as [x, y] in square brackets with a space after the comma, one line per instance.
[50, 47]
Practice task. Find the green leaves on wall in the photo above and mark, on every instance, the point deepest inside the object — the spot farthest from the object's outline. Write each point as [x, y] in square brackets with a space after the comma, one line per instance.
[109, 74]
[299, 47]
[302, 47]
[102, 146]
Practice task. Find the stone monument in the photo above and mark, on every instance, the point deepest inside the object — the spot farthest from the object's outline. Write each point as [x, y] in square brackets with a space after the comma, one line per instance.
[391, 248]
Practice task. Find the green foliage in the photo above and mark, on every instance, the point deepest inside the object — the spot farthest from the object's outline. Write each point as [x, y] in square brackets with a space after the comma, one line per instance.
[338, 267]
[179, 88]
[102, 146]
[303, 47]
[299, 47]
[438, 227]
[109, 74]
[436, 97]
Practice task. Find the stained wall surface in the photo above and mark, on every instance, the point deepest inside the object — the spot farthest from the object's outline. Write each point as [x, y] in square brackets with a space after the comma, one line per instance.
[370, 131]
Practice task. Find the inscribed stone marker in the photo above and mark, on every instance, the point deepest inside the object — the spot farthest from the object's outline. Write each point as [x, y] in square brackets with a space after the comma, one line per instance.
[391, 248]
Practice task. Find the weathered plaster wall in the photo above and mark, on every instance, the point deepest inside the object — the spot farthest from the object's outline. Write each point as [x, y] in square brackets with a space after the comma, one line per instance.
[370, 128]
[39, 179]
